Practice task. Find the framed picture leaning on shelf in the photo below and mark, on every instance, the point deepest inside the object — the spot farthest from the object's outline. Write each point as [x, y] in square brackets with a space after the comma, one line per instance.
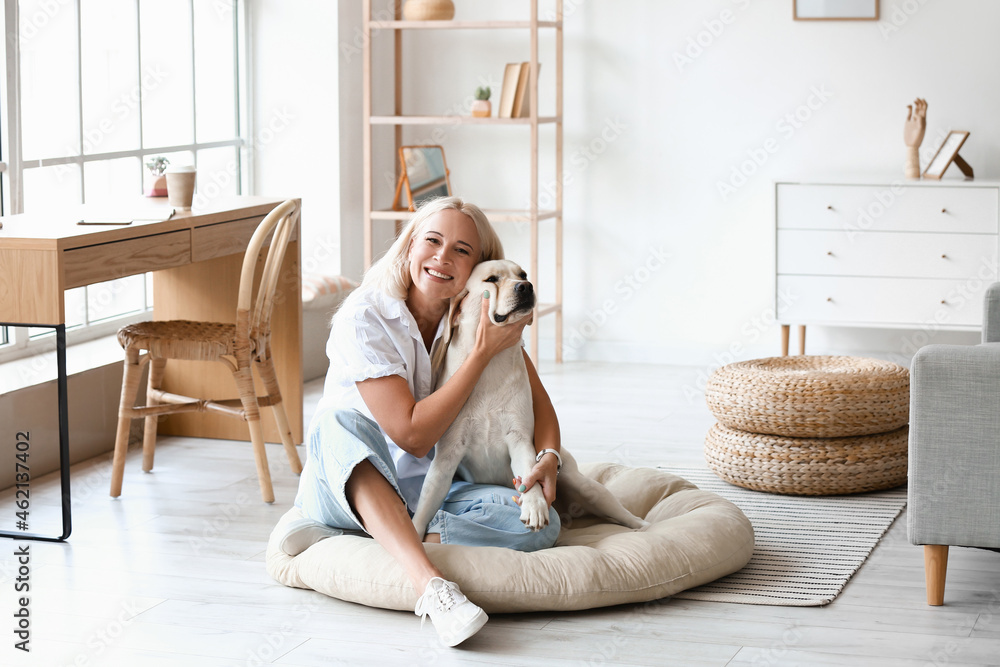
[423, 175]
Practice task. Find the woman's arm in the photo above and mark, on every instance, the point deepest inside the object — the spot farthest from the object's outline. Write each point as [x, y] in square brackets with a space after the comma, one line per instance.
[546, 436]
[415, 426]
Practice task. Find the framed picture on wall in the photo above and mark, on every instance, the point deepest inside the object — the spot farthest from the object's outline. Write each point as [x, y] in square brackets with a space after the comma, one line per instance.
[835, 10]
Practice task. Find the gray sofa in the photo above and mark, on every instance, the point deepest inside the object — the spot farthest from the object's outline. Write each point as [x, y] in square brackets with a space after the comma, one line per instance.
[954, 449]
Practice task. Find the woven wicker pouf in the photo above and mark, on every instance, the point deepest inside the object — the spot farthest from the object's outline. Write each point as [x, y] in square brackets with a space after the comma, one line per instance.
[811, 397]
[809, 425]
[808, 466]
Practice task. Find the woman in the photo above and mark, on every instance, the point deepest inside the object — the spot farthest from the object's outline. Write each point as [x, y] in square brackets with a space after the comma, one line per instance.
[378, 420]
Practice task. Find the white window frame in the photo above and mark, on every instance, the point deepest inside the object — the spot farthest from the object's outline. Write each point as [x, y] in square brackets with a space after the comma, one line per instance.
[19, 343]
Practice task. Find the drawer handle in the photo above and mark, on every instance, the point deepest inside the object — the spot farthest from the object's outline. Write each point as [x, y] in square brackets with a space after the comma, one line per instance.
[944, 301]
[829, 253]
[829, 208]
[829, 299]
[944, 256]
[944, 210]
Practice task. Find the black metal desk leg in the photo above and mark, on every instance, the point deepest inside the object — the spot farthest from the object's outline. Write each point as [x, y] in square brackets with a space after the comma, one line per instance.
[64, 462]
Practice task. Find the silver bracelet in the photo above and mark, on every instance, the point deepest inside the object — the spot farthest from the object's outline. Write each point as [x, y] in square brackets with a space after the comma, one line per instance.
[550, 451]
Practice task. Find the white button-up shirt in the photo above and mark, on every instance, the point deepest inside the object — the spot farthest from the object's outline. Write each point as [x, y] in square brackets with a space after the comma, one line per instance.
[374, 335]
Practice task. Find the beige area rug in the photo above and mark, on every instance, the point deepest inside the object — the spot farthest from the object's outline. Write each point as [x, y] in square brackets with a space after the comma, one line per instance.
[807, 547]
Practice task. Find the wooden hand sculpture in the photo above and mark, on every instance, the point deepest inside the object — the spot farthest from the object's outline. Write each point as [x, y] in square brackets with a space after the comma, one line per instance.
[913, 135]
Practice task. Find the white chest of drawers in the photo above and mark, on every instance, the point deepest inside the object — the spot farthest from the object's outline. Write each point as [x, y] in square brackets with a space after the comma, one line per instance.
[902, 254]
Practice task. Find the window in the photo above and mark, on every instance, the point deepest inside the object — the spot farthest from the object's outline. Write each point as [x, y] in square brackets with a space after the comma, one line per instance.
[98, 88]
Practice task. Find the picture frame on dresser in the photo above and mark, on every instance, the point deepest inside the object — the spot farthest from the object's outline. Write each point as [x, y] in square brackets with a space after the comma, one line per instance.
[948, 153]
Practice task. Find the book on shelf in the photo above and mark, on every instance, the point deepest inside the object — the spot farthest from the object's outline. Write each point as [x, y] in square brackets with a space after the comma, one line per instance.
[508, 90]
[515, 92]
[522, 106]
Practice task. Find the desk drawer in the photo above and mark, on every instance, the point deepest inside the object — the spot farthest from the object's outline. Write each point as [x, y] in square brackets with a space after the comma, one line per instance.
[883, 301]
[911, 208]
[226, 238]
[885, 254]
[107, 261]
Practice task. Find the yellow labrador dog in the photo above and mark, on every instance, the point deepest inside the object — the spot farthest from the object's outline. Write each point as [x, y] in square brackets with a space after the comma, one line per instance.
[493, 433]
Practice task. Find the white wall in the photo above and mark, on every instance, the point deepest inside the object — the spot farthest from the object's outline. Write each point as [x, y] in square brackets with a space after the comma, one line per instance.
[662, 102]
[296, 119]
[698, 96]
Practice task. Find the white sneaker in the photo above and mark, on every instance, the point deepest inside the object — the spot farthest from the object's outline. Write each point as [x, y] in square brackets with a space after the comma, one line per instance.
[303, 533]
[455, 618]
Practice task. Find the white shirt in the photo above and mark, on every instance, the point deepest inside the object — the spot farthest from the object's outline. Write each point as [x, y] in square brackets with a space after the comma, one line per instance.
[374, 335]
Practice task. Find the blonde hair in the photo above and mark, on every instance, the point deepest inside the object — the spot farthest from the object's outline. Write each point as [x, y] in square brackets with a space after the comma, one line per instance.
[391, 273]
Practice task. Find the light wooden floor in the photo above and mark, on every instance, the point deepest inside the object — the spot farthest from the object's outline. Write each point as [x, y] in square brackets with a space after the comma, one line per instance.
[172, 573]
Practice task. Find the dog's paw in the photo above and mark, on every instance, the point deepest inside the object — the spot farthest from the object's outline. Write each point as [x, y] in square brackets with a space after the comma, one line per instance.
[534, 509]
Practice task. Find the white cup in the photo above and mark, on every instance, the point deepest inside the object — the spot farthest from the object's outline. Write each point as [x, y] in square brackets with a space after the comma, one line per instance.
[180, 186]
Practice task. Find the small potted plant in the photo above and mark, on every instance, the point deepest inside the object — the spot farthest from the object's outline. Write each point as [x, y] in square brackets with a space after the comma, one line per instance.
[481, 107]
[157, 165]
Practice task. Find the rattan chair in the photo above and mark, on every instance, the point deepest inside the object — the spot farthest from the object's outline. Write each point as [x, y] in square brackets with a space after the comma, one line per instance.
[240, 346]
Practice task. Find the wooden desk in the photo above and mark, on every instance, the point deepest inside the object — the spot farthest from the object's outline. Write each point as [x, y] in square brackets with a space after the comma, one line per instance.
[195, 257]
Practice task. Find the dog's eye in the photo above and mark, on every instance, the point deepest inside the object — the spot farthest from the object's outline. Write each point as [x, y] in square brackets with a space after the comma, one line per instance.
[524, 276]
[492, 279]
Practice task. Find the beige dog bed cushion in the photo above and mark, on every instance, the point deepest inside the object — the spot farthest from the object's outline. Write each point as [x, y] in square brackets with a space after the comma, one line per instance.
[695, 537]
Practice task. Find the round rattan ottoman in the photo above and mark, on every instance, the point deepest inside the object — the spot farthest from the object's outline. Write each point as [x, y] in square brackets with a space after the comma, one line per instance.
[811, 396]
[808, 466]
[809, 425]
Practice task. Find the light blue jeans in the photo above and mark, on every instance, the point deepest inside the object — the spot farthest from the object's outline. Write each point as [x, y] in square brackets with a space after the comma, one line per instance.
[472, 514]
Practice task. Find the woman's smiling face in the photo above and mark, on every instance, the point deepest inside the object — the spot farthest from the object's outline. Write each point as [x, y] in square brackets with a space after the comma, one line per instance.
[443, 254]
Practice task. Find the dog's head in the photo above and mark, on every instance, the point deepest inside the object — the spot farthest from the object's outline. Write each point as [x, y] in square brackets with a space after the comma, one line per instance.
[512, 296]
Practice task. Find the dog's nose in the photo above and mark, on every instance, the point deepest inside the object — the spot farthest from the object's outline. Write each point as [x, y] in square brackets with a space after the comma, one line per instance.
[525, 288]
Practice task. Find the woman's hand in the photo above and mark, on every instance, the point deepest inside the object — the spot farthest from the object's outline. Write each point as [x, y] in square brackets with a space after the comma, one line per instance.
[543, 473]
[492, 338]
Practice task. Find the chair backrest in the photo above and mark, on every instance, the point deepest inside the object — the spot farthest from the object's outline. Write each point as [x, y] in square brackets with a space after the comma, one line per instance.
[253, 310]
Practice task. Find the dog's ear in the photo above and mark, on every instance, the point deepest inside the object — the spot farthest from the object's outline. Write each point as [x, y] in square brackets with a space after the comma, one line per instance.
[454, 309]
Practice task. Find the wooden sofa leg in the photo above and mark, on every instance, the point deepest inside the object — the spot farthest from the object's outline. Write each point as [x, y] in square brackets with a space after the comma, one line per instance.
[935, 569]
